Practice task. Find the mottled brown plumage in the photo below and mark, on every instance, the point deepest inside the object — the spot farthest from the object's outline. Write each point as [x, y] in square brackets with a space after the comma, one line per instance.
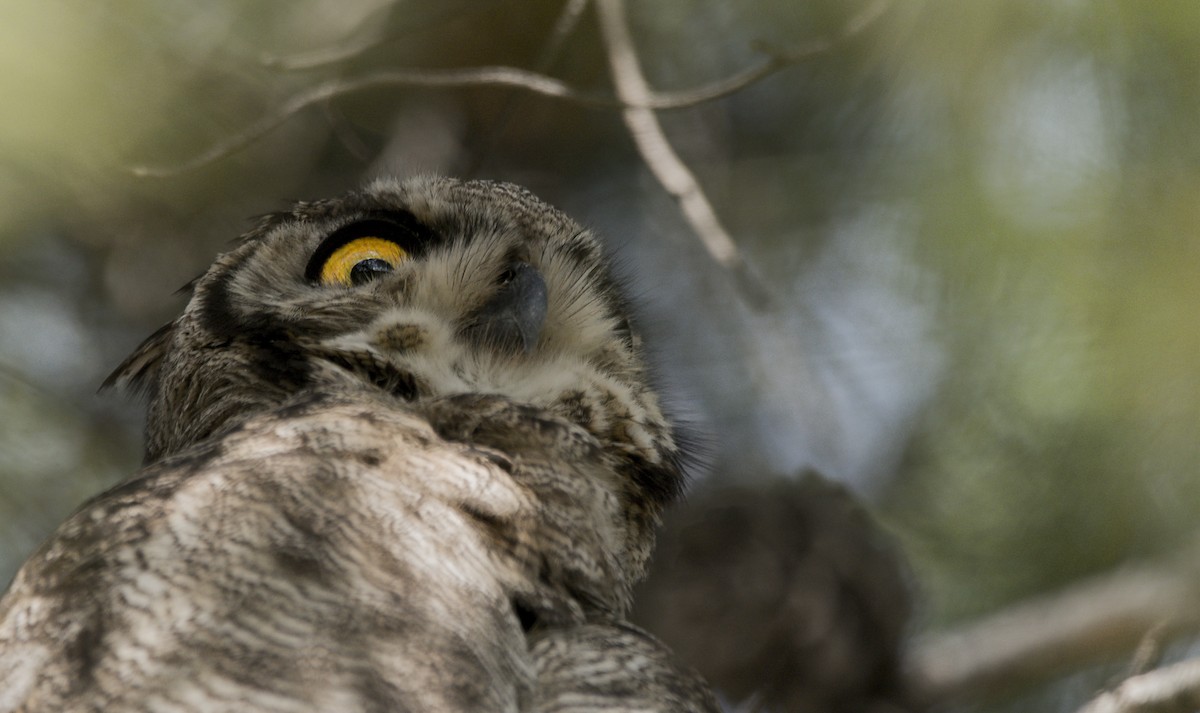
[429, 486]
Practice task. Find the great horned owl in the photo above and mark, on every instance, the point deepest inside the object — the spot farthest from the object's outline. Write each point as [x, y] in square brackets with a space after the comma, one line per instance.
[402, 454]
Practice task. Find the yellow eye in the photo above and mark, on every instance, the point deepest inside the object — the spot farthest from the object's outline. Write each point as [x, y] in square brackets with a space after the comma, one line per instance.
[361, 260]
[364, 250]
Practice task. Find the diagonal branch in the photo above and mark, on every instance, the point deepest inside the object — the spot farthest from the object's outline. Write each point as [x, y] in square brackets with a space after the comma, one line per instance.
[566, 23]
[670, 171]
[500, 76]
[472, 77]
[775, 60]
[496, 76]
[1171, 689]
[1097, 620]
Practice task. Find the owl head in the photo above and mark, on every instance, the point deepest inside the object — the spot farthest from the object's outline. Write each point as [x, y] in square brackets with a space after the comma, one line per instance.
[422, 288]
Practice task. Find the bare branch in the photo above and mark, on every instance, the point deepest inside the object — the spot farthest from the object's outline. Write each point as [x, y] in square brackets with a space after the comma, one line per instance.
[657, 152]
[682, 98]
[776, 60]
[1097, 620]
[473, 77]
[1171, 689]
[566, 23]
[497, 76]
[536, 82]
[1149, 651]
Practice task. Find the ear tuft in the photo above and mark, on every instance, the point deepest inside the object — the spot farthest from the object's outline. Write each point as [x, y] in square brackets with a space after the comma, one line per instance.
[139, 370]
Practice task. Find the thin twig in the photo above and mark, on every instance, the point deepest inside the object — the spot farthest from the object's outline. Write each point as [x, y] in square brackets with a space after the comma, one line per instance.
[564, 26]
[497, 76]
[474, 77]
[656, 150]
[775, 60]
[500, 76]
[1097, 620]
[1149, 651]
[1171, 689]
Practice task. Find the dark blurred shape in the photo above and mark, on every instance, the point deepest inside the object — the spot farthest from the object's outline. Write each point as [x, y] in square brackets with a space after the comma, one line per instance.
[786, 596]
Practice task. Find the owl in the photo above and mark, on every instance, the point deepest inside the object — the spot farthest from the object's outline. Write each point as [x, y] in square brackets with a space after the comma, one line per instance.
[402, 454]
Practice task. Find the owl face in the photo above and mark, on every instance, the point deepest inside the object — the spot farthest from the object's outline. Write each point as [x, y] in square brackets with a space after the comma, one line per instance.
[425, 288]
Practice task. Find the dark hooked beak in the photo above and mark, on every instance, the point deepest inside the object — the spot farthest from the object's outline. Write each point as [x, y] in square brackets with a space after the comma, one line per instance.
[512, 319]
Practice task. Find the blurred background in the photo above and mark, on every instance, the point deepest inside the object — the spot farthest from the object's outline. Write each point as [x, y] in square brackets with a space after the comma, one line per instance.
[979, 219]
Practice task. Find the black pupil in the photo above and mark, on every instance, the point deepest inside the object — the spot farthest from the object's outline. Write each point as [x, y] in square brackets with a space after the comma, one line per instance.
[366, 270]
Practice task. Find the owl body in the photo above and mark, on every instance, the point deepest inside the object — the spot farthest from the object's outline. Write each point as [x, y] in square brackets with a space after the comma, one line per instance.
[402, 454]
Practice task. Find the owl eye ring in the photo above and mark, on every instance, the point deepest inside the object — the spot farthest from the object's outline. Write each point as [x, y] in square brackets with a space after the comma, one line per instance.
[361, 252]
[361, 260]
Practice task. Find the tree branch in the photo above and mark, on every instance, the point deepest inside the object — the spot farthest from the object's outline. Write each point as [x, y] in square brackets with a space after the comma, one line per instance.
[477, 77]
[501, 76]
[670, 171]
[1097, 620]
[1171, 689]
[776, 59]
[496, 76]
